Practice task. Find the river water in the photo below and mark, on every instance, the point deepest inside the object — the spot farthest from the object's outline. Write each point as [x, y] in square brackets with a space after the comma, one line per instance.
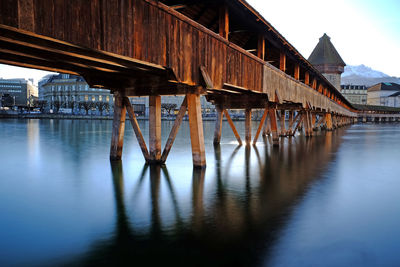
[332, 200]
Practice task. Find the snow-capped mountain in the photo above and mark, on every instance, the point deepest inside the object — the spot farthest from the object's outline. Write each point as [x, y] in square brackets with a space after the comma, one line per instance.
[364, 75]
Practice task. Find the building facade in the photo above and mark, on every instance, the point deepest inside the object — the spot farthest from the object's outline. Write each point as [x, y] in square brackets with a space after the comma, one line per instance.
[384, 94]
[69, 91]
[17, 92]
[327, 60]
[356, 94]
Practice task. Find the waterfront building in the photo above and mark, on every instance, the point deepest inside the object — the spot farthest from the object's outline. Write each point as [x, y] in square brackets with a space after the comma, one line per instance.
[327, 60]
[67, 91]
[356, 94]
[17, 92]
[384, 94]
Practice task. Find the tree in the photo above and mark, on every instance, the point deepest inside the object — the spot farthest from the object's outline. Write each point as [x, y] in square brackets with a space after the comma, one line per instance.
[101, 106]
[86, 105]
[57, 104]
[168, 107]
[41, 104]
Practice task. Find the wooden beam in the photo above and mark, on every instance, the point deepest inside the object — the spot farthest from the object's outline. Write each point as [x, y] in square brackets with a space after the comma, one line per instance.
[118, 128]
[291, 114]
[274, 126]
[136, 128]
[300, 115]
[261, 125]
[328, 119]
[313, 120]
[282, 61]
[261, 47]
[297, 71]
[307, 78]
[174, 130]
[248, 126]
[155, 128]
[218, 125]
[235, 132]
[282, 121]
[224, 21]
[196, 130]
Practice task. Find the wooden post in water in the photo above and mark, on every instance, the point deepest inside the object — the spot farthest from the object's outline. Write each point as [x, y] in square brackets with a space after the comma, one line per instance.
[313, 121]
[174, 130]
[282, 122]
[196, 130]
[248, 126]
[328, 119]
[235, 132]
[274, 126]
[290, 130]
[118, 128]
[218, 126]
[155, 128]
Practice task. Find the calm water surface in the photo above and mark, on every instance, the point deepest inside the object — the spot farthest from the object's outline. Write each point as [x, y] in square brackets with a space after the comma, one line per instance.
[332, 200]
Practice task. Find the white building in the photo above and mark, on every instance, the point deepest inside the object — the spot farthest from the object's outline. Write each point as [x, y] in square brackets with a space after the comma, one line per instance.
[356, 94]
[384, 94]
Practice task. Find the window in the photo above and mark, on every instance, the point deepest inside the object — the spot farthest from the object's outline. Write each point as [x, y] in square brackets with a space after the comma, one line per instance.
[100, 98]
[86, 97]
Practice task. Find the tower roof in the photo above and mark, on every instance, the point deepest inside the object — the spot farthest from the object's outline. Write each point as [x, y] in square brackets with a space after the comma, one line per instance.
[325, 53]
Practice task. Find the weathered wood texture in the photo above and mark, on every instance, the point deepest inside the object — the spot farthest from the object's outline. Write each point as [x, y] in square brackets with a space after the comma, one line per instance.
[118, 128]
[150, 31]
[295, 91]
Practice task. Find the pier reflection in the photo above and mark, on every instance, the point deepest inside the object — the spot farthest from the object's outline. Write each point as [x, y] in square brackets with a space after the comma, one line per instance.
[234, 218]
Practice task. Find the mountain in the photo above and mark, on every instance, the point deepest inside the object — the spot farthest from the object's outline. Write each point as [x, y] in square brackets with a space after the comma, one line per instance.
[364, 75]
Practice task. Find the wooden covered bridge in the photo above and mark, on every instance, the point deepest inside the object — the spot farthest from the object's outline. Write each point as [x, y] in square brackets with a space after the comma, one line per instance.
[224, 50]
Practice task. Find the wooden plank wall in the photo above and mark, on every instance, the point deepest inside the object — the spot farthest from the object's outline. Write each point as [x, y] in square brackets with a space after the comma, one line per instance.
[148, 31]
[141, 30]
[295, 91]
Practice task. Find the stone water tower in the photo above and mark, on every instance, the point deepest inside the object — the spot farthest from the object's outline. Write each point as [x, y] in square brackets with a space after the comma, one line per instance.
[327, 60]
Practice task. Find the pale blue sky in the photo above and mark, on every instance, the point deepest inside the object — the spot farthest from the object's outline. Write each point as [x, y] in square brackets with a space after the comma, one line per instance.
[363, 31]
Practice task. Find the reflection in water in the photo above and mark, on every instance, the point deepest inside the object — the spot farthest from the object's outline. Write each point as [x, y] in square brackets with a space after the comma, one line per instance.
[229, 223]
[331, 199]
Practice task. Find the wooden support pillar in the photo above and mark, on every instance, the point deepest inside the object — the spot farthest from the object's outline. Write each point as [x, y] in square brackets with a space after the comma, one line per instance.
[301, 117]
[261, 125]
[136, 128]
[218, 126]
[313, 121]
[196, 130]
[118, 128]
[261, 47]
[307, 78]
[282, 121]
[305, 123]
[155, 128]
[235, 132]
[328, 119]
[224, 21]
[174, 130]
[297, 71]
[274, 126]
[282, 61]
[290, 130]
[248, 126]
[310, 126]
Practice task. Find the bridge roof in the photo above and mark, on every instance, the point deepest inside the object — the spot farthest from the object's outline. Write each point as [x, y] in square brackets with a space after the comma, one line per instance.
[325, 53]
